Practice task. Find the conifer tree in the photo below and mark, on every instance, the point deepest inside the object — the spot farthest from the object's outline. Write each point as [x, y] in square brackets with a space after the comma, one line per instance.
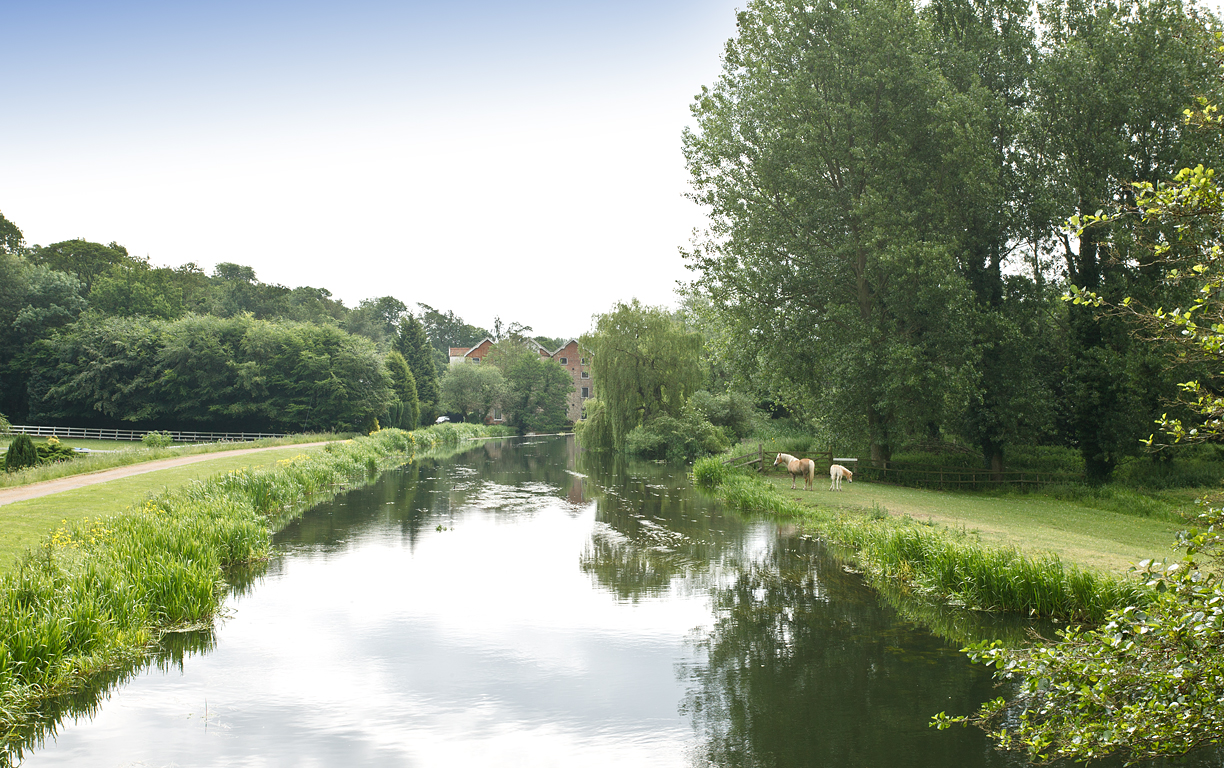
[413, 344]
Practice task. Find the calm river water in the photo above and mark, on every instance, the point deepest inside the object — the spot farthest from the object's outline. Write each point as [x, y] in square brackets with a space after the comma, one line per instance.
[525, 604]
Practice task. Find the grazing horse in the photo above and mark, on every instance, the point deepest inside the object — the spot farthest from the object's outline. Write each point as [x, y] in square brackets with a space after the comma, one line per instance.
[796, 467]
[837, 472]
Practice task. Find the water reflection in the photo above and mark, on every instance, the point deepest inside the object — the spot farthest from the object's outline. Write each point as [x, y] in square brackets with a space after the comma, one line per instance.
[804, 667]
[529, 604]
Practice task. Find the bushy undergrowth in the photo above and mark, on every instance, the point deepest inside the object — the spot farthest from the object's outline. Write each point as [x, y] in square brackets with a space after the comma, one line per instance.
[157, 439]
[98, 592]
[682, 439]
[1177, 473]
[937, 560]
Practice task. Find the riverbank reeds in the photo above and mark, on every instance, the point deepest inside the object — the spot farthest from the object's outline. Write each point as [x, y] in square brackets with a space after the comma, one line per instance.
[937, 561]
[99, 593]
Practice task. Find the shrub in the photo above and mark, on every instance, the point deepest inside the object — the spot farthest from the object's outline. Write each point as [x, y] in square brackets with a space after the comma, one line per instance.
[157, 439]
[5, 425]
[21, 453]
[53, 451]
[682, 439]
[1178, 473]
[731, 410]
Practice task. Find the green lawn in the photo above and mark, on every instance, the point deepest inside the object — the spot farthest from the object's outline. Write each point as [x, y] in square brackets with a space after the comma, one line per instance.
[1100, 539]
[25, 523]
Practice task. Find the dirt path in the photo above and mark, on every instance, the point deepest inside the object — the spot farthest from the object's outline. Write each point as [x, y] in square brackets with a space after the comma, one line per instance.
[48, 487]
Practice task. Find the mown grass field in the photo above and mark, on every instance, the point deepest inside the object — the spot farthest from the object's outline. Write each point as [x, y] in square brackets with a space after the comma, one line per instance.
[1105, 540]
[26, 523]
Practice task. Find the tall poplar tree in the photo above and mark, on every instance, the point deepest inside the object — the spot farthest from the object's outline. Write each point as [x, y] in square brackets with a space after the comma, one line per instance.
[829, 154]
[1107, 106]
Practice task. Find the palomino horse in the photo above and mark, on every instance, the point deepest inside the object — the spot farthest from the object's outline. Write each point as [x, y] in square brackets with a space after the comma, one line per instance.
[796, 467]
[837, 472]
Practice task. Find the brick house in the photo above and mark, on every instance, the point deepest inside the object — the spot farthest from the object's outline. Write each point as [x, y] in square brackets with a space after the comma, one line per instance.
[568, 356]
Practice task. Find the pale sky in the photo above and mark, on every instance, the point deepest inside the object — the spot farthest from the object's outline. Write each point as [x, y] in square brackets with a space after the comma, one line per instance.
[519, 159]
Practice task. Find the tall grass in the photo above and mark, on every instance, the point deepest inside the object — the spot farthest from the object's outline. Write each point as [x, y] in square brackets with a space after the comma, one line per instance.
[98, 593]
[940, 562]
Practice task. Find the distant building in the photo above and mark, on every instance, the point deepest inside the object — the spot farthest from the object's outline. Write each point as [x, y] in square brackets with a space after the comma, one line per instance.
[568, 356]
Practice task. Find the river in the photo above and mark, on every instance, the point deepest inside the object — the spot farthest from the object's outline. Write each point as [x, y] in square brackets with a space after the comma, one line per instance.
[527, 604]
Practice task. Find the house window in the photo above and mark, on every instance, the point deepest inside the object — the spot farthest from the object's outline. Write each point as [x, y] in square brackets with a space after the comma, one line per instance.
[497, 414]
[586, 391]
[586, 375]
[475, 359]
[564, 361]
[584, 361]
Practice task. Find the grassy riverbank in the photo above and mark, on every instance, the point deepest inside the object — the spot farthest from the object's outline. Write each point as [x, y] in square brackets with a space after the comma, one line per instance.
[1077, 531]
[948, 562]
[125, 454]
[99, 591]
[24, 524]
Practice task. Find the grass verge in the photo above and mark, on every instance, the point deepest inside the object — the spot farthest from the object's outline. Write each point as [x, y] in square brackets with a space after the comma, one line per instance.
[935, 560]
[137, 454]
[99, 592]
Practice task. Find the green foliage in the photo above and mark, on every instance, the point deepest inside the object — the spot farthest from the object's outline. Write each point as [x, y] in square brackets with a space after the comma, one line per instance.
[1150, 682]
[132, 288]
[537, 394]
[82, 259]
[594, 433]
[676, 439]
[473, 389]
[413, 344]
[5, 425]
[155, 439]
[53, 451]
[403, 384]
[377, 319]
[646, 363]
[11, 239]
[446, 329]
[282, 376]
[21, 453]
[710, 471]
[847, 298]
[732, 410]
[1147, 683]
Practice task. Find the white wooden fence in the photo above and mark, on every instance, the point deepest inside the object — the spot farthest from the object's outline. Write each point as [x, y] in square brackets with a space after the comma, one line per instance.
[137, 434]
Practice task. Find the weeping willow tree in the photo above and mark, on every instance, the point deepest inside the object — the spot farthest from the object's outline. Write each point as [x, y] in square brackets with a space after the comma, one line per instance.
[645, 364]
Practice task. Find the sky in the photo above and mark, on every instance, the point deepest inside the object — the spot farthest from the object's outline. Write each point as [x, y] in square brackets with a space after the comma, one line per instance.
[512, 159]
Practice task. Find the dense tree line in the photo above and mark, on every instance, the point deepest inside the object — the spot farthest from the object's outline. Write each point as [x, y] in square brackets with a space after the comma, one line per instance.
[888, 184]
[90, 334]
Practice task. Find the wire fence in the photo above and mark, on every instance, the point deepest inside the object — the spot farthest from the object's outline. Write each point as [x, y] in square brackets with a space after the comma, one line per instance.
[85, 433]
[962, 478]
